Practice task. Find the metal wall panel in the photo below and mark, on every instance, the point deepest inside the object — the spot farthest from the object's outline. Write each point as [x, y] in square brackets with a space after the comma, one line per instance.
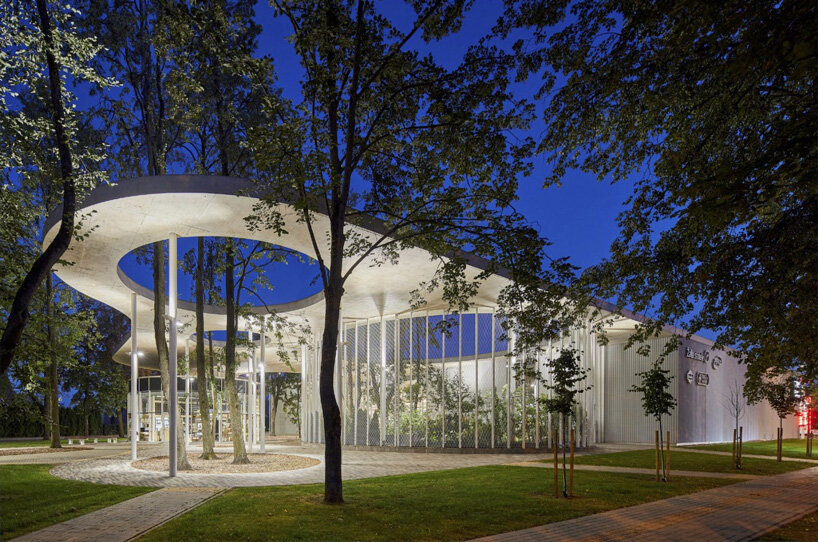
[624, 419]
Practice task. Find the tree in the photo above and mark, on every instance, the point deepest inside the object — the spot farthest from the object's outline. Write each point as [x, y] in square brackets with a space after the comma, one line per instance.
[735, 403]
[40, 58]
[203, 381]
[567, 376]
[710, 109]
[781, 391]
[657, 401]
[292, 402]
[281, 386]
[385, 132]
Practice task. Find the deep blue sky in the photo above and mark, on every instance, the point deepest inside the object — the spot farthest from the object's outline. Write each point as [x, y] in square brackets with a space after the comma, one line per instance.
[578, 217]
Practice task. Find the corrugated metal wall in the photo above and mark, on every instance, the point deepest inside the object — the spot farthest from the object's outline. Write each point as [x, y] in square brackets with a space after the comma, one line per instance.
[624, 419]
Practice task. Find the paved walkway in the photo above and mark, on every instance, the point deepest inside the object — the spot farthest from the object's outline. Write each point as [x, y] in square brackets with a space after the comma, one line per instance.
[126, 520]
[754, 456]
[356, 464]
[738, 512]
[634, 470]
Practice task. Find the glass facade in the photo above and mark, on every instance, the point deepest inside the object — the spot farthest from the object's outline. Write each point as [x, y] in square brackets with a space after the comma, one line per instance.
[435, 380]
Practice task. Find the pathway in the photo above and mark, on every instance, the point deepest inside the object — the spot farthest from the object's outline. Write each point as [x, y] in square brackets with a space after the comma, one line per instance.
[738, 512]
[126, 520]
[356, 465]
[634, 470]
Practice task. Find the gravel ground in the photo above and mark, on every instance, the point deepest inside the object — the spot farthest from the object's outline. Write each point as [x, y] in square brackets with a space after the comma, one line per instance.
[223, 463]
[41, 450]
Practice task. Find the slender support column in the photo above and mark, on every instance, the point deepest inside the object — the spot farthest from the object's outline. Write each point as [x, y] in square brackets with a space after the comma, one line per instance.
[172, 361]
[368, 378]
[426, 385]
[509, 412]
[493, 375]
[251, 392]
[443, 383]
[411, 383]
[476, 378]
[134, 380]
[357, 389]
[460, 380]
[188, 415]
[396, 377]
[382, 425]
[262, 376]
[537, 401]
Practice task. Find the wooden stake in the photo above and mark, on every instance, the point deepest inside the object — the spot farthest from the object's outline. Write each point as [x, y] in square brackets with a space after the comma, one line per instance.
[556, 468]
[571, 472]
[735, 442]
[667, 459]
[657, 455]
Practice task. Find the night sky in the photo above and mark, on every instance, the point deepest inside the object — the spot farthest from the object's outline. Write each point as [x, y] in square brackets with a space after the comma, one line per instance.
[578, 217]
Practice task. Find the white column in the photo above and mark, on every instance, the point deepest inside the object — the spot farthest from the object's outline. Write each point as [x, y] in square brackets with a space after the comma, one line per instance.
[134, 380]
[172, 361]
[251, 397]
[382, 425]
[188, 419]
[476, 377]
[263, 383]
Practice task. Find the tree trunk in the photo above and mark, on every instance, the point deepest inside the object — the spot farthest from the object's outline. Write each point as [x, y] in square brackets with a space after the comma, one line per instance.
[564, 470]
[120, 423]
[159, 327]
[333, 489]
[18, 313]
[53, 381]
[236, 425]
[662, 451]
[201, 370]
[273, 412]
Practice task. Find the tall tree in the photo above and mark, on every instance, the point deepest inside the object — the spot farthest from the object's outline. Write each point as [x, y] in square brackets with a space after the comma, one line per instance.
[46, 48]
[384, 131]
[711, 109]
[201, 365]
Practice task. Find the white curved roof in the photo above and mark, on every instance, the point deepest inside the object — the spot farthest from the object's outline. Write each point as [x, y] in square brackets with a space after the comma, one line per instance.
[120, 218]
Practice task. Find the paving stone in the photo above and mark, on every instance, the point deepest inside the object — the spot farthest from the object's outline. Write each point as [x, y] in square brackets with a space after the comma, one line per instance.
[126, 520]
[742, 511]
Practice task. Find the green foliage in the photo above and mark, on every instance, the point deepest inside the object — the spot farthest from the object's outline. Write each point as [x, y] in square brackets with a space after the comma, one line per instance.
[781, 391]
[654, 384]
[567, 376]
[709, 108]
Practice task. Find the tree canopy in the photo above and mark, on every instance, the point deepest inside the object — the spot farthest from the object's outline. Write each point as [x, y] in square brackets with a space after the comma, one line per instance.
[709, 109]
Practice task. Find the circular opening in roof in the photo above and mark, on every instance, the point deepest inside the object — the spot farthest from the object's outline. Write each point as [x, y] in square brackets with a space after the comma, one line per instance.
[265, 274]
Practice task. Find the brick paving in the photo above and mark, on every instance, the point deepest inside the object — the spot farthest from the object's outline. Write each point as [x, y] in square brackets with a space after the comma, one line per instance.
[126, 520]
[742, 511]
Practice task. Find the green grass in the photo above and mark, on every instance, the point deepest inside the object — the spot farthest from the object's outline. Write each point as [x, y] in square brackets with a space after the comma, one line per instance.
[691, 461]
[31, 499]
[792, 447]
[803, 530]
[46, 443]
[445, 505]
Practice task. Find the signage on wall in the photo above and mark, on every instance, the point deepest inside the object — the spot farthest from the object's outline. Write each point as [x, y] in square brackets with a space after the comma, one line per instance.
[702, 356]
[702, 379]
[689, 377]
[716, 362]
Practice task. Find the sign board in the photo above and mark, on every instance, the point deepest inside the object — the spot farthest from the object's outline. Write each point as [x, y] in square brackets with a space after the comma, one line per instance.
[703, 356]
[690, 377]
[716, 362]
[702, 379]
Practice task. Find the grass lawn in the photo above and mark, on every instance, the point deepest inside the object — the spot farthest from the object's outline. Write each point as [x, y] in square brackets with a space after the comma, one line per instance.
[31, 499]
[46, 443]
[691, 461]
[792, 447]
[803, 530]
[445, 505]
